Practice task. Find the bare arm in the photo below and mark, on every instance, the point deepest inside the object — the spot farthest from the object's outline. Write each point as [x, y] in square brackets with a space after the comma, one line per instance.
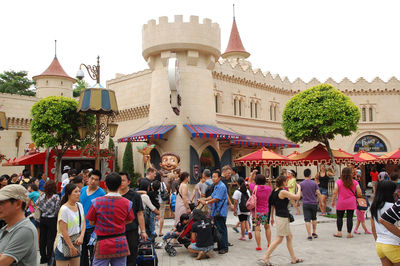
[5, 260]
[252, 176]
[235, 202]
[359, 192]
[286, 194]
[184, 196]
[334, 195]
[391, 227]
[271, 217]
[373, 228]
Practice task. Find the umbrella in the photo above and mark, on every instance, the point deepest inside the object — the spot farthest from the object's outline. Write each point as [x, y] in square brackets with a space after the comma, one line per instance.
[393, 157]
[263, 156]
[363, 157]
[319, 154]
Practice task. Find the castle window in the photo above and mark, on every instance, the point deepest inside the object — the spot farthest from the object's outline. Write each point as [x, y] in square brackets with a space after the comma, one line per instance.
[47, 82]
[271, 110]
[240, 107]
[275, 113]
[255, 110]
[216, 104]
[371, 118]
[234, 107]
[251, 109]
[62, 83]
[364, 114]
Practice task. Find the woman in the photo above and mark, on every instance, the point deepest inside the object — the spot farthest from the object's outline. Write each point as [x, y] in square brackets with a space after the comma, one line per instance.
[240, 209]
[346, 189]
[374, 178]
[70, 227]
[163, 203]
[292, 183]
[202, 234]
[279, 202]
[260, 214]
[182, 198]
[4, 181]
[387, 244]
[322, 179]
[148, 208]
[48, 204]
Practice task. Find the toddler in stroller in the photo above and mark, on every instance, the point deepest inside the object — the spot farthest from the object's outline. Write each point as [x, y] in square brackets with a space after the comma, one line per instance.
[177, 233]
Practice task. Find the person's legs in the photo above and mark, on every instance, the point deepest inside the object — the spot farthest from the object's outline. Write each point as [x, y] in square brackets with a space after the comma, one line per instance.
[386, 262]
[339, 221]
[220, 223]
[118, 261]
[323, 205]
[349, 214]
[290, 247]
[51, 236]
[268, 233]
[272, 247]
[314, 226]
[162, 216]
[243, 228]
[74, 261]
[62, 262]
[307, 219]
[102, 262]
[86, 252]
[133, 238]
[43, 240]
[257, 233]
[152, 227]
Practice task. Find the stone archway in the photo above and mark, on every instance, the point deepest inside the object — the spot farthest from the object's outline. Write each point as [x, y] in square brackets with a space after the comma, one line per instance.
[155, 158]
[209, 159]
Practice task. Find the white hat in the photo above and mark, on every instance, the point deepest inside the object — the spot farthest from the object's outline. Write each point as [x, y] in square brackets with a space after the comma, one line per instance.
[66, 167]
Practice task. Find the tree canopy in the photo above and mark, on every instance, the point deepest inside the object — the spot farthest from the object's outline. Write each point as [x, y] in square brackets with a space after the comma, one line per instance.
[80, 86]
[318, 114]
[16, 83]
[55, 125]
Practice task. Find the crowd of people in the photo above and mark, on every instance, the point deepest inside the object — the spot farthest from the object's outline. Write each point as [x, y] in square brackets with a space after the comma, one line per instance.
[84, 224]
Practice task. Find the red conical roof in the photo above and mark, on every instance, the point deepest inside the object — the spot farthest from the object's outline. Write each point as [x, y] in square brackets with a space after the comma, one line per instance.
[55, 69]
[235, 46]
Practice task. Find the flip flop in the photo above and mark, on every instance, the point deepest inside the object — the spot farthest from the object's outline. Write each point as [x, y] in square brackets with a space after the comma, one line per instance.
[335, 235]
[351, 236]
[314, 235]
[297, 261]
[263, 263]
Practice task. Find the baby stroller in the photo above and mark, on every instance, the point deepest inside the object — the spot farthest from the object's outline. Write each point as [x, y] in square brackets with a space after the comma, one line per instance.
[183, 238]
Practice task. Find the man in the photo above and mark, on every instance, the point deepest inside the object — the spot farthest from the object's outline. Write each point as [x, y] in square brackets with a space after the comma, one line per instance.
[110, 214]
[310, 191]
[18, 239]
[226, 178]
[89, 193]
[219, 211]
[131, 229]
[72, 176]
[42, 181]
[207, 175]
[65, 174]
[150, 175]
[383, 175]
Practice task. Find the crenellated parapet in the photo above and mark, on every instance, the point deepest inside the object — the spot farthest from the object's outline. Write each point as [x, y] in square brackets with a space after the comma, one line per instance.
[164, 38]
[133, 113]
[241, 71]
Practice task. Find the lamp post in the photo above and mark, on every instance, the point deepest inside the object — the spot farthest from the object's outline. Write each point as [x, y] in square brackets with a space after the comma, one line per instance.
[102, 103]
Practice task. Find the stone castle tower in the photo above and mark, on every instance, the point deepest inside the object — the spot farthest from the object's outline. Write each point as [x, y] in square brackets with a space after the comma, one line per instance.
[54, 81]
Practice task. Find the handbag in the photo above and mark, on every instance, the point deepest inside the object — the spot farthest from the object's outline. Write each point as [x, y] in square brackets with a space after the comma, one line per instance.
[251, 203]
[37, 213]
[291, 218]
[65, 248]
[164, 193]
[362, 204]
[216, 234]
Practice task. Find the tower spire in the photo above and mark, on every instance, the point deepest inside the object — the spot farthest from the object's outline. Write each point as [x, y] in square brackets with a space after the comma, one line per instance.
[235, 46]
[55, 48]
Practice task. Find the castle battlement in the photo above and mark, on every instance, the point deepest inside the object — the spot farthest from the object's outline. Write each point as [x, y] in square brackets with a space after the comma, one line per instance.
[181, 36]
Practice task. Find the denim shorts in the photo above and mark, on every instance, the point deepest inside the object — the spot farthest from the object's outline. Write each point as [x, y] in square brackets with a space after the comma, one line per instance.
[204, 249]
[58, 255]
[323, 191]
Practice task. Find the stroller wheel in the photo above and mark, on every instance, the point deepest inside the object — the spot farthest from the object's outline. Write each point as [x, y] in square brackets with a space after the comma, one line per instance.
[172, 252]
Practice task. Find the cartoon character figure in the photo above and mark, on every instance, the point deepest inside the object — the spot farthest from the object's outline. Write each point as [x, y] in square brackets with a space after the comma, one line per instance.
[169, 162]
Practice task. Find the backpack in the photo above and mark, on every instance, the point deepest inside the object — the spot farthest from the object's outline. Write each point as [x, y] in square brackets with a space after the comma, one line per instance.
[243, 200]
[164, 193]
[252, 201]
[209, 190]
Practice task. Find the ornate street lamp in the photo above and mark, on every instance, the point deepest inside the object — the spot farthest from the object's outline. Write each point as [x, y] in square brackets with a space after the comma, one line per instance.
[101, 102]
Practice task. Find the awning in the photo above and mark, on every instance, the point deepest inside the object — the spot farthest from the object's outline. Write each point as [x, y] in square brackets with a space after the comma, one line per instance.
[206, 131]
[265, 142]
[37, 158]
[147, 134]
[264, 156]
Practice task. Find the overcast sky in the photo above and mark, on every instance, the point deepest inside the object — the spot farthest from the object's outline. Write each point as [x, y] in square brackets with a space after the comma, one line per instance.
[306, 39]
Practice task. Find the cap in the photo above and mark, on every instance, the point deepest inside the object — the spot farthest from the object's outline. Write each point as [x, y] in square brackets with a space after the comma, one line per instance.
[66, 167]
[17, 192]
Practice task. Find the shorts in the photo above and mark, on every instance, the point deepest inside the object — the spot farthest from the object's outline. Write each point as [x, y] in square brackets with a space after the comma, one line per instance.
[204, 249]
[162, 209]
[391, 252]
[262, 219]
[310, 212]
[282, 226]
[243, 217]
[324, 191]
[360, 215]
[58, 255]
[374, 183]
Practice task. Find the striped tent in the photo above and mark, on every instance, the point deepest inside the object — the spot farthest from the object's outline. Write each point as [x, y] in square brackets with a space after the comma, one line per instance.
[391, 157]
[262, 141]
[207, 131]
[263, 156]
[98, 99]
[319, 154]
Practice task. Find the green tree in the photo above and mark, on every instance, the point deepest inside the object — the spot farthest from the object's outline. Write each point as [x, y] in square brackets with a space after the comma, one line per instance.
[16, 83]
[80, 86]
[111, 146]
[318, 114]
[55, 125]
[127, 160]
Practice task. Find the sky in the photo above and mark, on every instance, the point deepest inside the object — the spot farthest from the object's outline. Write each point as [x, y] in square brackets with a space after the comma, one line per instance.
[301, 38]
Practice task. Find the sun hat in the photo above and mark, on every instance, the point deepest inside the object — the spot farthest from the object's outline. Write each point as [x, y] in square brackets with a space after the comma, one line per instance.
[17, 192]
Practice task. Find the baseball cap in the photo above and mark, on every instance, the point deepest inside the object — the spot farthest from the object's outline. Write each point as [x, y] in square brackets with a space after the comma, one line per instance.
[17, 192]
[66, 167]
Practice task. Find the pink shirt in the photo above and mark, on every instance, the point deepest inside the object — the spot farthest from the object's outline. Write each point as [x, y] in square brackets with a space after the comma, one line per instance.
[263, 192]
[346, 198]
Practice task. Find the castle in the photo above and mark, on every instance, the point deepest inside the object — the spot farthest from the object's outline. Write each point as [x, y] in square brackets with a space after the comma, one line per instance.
[226, 108]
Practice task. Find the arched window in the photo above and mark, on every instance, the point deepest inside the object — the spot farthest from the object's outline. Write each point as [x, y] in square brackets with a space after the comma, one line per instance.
[240, 107]
[275, 113]
[251, 109]
[216, 104]
[370, 143]
[364, 114]
[234, 107]
[371, 117]
[255, 110]
[271, 110]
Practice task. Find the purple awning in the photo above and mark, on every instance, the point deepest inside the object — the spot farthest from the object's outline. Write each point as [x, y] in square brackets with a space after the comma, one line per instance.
[150, 133]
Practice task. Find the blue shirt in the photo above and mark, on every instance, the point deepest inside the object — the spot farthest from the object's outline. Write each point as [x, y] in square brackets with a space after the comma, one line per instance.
[34, 196]
[87, 201]
[41, 184]
[220, 206]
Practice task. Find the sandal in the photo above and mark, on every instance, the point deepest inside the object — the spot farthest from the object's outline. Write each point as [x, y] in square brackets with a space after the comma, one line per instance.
[335, 235]
[297, 261]
[263, 263]
[314, 235]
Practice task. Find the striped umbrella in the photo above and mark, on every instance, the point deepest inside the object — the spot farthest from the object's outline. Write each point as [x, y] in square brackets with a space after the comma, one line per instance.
[263, 157]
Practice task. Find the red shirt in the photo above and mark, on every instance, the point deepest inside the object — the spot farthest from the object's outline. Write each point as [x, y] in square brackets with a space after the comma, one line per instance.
[374, 176]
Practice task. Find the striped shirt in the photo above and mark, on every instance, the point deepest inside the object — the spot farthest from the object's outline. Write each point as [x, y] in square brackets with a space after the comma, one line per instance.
[392, 215]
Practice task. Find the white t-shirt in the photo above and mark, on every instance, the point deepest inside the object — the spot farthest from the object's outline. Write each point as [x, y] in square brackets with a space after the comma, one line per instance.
[71, 218]
[147, 202]
[64, 183]
[64, 176]
[384, 236]
[237, 195]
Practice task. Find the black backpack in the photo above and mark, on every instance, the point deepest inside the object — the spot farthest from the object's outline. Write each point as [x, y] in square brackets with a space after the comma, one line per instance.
[243, 200]
[209, 190]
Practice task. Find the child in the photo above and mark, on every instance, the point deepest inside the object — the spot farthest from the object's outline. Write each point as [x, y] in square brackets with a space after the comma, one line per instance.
[240, 197]
[33, 197]
[174, 233]
[292, 188]
[360, 214]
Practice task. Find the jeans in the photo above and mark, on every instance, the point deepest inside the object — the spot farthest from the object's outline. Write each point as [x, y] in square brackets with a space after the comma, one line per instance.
[220, 223]
[171, 234]
[48, 232]
[339, 220]
[86, 251]
[133, 241]
[152, 227]
[112, 261]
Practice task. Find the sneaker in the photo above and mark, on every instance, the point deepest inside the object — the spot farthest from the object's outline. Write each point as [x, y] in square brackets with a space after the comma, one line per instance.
[242, 238]
[250, 235]
[235, 229]
[356, 232]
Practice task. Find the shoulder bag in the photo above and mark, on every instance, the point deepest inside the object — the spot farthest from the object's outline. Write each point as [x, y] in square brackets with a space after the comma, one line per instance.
[65, 248]
[251, 203]
[360, 201]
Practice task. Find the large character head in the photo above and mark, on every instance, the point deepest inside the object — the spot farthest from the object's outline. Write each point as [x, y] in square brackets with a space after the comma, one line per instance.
[169, 161]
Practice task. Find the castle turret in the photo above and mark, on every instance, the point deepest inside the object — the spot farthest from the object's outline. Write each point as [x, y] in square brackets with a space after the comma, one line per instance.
[54, 81]
[235, 47]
